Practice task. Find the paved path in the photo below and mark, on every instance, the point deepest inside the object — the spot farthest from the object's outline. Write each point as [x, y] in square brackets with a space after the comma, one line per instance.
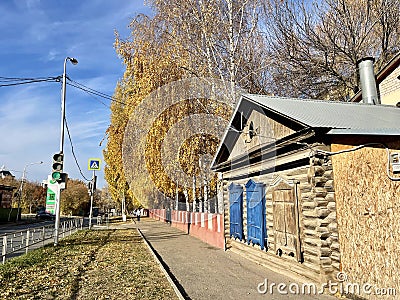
[205, 272]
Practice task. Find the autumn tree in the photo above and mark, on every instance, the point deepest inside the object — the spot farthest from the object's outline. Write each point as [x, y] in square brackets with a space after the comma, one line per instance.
[33, 196]
[10, 181]
[204, 38]
[222, 39]
[105, 203]
[75, 199]
[147, 67]
[113, 172]
[315, 45]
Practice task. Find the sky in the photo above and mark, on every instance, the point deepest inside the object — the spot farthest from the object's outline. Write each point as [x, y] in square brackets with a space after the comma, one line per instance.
[36, 37]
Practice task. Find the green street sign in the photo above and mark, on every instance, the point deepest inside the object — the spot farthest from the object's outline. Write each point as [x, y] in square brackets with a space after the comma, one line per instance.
[51, 200]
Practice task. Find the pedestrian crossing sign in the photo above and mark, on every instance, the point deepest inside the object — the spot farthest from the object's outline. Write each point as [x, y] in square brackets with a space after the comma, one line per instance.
[94, 164]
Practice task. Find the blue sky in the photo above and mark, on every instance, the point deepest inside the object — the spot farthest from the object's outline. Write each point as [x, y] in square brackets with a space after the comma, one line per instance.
[36, 36]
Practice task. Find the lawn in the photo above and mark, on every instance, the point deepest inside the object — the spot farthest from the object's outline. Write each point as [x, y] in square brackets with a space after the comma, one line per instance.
[97, 264]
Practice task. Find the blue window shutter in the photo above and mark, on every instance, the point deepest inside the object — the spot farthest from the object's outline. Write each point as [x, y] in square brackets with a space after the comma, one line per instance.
[236, 211]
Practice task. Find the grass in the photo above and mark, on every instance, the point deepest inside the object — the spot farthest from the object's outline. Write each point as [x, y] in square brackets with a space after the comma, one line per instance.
[102, 264]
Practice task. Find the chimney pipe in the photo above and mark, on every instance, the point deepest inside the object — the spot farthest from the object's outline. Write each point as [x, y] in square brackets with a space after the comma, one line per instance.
[368, 82]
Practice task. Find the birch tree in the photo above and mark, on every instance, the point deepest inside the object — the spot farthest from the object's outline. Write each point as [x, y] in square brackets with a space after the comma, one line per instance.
[221, 37]
[183, 39]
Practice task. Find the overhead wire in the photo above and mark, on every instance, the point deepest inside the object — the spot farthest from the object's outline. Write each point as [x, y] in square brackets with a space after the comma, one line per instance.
[13, 81]
[73, 152]
[90, 93]
[90, 90]
[94, 92]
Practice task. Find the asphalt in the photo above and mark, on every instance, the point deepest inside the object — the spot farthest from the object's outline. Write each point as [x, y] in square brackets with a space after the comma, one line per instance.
[201, 271]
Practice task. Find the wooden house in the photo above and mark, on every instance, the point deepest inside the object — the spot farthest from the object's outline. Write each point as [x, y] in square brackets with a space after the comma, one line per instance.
[312, 187]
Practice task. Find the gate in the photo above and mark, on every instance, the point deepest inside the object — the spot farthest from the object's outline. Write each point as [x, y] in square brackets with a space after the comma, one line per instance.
[256, 225]
[286, 221]
[236, 211]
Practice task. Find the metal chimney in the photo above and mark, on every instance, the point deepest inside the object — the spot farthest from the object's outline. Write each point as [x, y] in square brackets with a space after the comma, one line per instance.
[368, 82]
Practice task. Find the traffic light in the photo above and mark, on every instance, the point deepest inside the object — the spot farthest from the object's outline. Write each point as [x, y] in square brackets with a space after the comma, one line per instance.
[91, 185]
[57, 167]
[94, 182]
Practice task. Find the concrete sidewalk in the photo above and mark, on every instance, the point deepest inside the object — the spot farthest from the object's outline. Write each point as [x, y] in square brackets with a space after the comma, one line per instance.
[206, 272]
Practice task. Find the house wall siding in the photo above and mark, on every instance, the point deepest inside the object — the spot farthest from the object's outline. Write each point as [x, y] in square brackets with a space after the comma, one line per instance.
[266, 131]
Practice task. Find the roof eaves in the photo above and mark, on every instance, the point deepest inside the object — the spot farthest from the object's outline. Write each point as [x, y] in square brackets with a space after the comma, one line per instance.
[306, 133]
[367, 131]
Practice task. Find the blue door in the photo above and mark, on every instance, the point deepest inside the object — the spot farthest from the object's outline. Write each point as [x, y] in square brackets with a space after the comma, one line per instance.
[256, 226]
[236, 211]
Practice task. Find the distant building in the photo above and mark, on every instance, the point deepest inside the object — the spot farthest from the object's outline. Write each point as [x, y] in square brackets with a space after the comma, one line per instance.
[6, 193]
[7, 213]
[5, 173]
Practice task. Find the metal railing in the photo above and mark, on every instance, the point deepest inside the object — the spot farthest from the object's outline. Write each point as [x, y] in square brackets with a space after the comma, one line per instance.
[18, 242]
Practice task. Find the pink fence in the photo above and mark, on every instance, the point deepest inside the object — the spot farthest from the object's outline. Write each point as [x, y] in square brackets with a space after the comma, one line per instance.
[205, 226]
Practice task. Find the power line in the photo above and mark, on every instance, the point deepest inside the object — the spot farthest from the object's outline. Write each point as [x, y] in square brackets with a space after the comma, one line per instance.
[88, 92]
[93, 92]
[13, 81]
[6, 79]
[73, 152]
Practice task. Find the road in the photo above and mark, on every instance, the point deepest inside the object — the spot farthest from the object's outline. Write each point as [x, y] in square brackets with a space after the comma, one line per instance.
[7, 228]
[15, 235]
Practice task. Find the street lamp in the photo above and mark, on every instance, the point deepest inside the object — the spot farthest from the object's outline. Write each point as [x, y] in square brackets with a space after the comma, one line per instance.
[74, 61]
[22, 185]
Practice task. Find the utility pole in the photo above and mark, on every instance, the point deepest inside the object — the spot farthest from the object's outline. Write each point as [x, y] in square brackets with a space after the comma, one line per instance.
[92, 190]
[93, 165]
[74, 61]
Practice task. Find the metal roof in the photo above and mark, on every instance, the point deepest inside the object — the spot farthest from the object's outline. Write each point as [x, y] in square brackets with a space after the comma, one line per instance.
[350, 117]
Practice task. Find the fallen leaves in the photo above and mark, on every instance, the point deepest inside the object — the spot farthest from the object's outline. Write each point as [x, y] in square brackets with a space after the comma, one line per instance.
[104, 264]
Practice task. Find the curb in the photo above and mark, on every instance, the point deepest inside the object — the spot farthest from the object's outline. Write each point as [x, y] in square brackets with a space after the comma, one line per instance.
[179, 291]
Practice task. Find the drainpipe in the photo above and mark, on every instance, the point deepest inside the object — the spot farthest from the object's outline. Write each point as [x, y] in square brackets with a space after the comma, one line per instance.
[368, 82]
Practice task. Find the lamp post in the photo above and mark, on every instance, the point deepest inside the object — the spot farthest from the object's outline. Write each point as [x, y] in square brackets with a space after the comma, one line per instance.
[74, 61]
[22, 185]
